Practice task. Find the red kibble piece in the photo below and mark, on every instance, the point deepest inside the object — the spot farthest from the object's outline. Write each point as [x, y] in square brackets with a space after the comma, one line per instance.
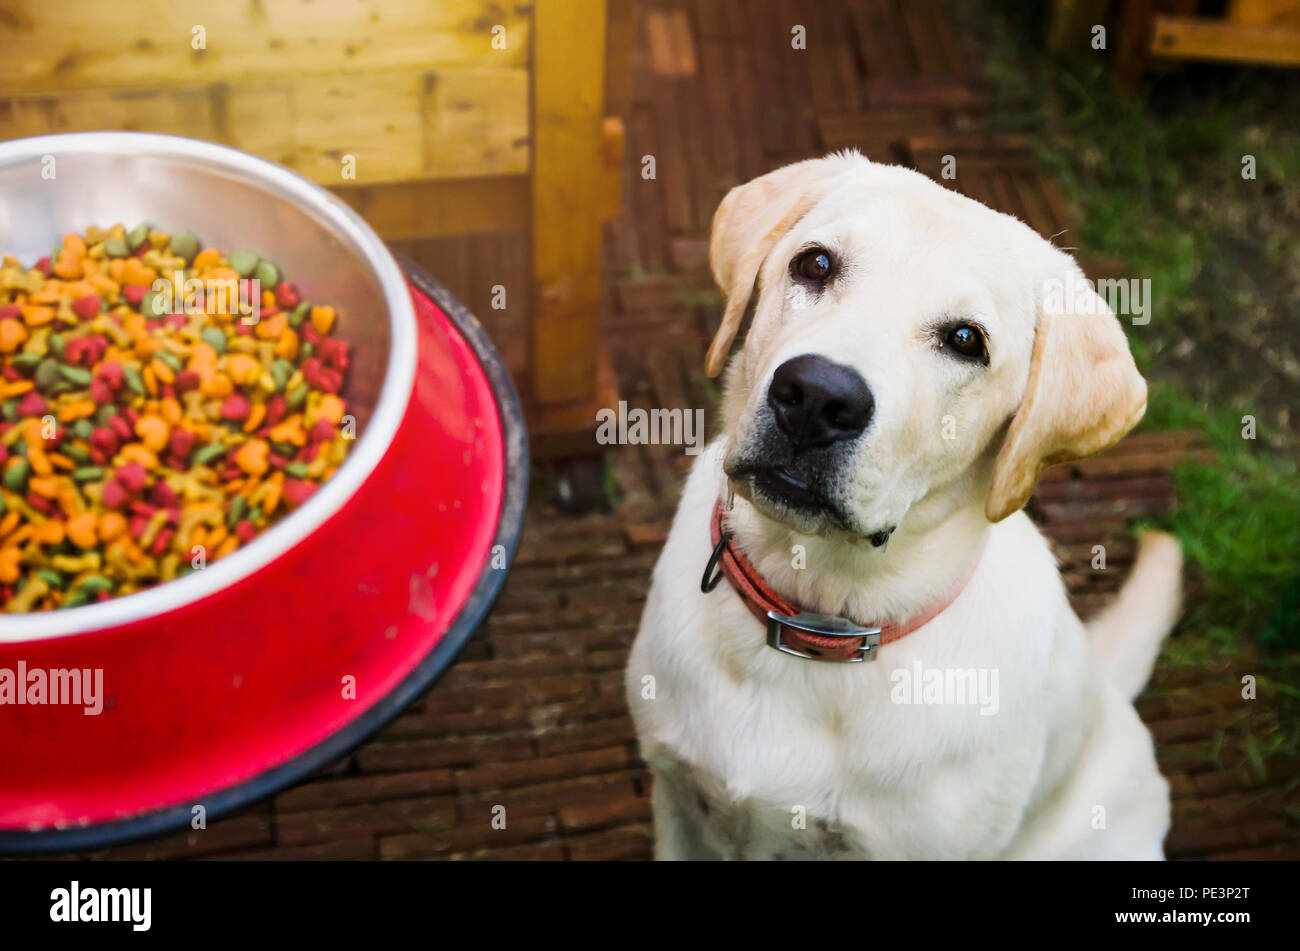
[331, 381]
[11, 312]
[12, 375]
[132, 475]
[181, 442]
[276, 408]
[163, 495]
[311, 369]
[137, 525]
[132, 417]
[143, 509]
[276, 461]
[45, 506]
[134, 293]
[43, 265]
[162, 541]
[73, 350]
[309, 333]
[121, 427]
[175, 321]
[321, 431]
[110, 371]
[100, 391]
[4, 454]
[246, 531]
[98, 457]
[113, 494]
[230, 473]
[186, 381]
[87, 306]
[104, 439]
[32, 404]
[235, 407]
[286, 295]
[298, 491]
[244, 329]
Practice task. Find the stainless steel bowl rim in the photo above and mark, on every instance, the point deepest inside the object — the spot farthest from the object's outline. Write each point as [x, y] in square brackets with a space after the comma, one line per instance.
[374, 442]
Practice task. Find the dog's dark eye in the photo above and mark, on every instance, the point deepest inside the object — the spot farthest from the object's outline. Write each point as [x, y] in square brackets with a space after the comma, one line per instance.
[967, 341]
[814, 266]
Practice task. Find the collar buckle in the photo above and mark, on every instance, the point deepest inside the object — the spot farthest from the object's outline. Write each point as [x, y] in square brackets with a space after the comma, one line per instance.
[823, 625]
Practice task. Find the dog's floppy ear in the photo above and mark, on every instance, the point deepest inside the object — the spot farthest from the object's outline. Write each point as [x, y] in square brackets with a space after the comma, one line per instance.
[751, 219]
[1084, 393]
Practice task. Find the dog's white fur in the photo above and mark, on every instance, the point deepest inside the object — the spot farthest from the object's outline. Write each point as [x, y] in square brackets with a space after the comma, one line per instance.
[756, 754]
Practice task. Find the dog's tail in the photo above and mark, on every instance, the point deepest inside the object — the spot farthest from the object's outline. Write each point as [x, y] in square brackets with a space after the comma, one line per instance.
[1127, 633]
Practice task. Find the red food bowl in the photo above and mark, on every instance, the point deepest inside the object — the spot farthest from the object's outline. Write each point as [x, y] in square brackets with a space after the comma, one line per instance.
[233, 682]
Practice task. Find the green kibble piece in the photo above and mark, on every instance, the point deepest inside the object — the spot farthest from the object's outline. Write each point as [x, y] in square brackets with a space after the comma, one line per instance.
[171, 360]
[133, 382]
[297, 470]
[105, 415]
[296, 397]
[79, 376]
[281, 371]
[55, 344]
[185, 245]
[16, 476]
[47, 374]
[299, 314]
[50, 577]
[76, 599]
[149, 304]
[9, 409]
[268, 275]
[209, 453]
[88, 473]
[76, 453]
[26, 361]
[137, 236]
[284, 450]
[214, 338]
[94, 584]
[3, 506]
[255, 514]
[306, 350]
[63, 386]
[82, 429]
[243, 262]
[238, 508]
[116, 248]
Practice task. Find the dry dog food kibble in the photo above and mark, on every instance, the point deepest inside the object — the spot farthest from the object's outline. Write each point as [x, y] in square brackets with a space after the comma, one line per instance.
[161, 404]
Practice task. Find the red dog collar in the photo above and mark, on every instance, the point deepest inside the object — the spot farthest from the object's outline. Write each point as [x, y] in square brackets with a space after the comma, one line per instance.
[803, 633]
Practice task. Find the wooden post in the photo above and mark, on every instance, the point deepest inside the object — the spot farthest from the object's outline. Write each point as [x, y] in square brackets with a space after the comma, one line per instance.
[568, 206]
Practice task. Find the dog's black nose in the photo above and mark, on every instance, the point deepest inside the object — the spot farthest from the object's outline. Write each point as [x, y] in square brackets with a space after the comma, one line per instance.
[817, 402]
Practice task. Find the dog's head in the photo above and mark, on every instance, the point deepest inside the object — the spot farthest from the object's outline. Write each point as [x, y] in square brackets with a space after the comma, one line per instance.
[906, 342]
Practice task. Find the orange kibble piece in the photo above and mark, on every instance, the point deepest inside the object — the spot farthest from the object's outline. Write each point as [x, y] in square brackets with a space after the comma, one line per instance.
[136, 273]
[9, 557]
[135, 452]
[243, 368]
[161, 370]
[207, 258]
[270, 328]
[290, 431]
[77, 410]
[171, 412]
[286, 346]
[12, 335]
[330, 407]
[153, 432]
[322, 318]
[37, 315]
[74, 245]
[256, 413]
[217, 386]
[81, 530]
[47, 486]
[111, 526]
[67, 266]
[48, 533]
[40, 462]
[251, 457]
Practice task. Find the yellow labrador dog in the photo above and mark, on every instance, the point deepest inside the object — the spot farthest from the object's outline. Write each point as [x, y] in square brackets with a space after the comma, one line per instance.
[856, 645]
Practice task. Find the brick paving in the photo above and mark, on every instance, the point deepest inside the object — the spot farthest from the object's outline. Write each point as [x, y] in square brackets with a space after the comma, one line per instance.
[531, 717]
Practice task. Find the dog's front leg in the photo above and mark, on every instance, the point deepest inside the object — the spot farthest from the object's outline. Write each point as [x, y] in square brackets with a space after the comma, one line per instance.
[678, 825]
